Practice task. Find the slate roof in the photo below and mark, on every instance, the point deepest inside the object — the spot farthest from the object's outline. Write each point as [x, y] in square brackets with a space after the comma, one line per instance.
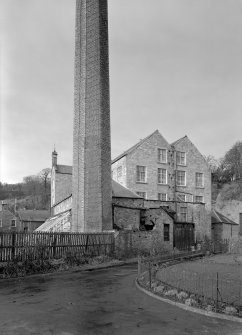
[120, 191]
[33, 215]
[134, 147]
[64, 169]
[220, 218]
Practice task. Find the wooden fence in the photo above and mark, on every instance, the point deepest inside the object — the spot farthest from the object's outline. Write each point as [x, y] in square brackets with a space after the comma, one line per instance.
[21, 246]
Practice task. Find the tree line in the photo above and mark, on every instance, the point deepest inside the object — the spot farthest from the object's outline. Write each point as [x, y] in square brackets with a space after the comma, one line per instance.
[227, 172]
[32, 193]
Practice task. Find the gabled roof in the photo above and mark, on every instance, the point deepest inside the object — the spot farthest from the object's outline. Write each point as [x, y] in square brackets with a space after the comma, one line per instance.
[64, 169]
[187, 138]
[134, 147]
[33, 215]
[179, 140]
[220, 218]
[120, 191]
[6, 213]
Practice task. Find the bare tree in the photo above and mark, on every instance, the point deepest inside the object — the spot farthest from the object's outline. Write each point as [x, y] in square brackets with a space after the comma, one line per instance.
[233, 161]
[44, 176]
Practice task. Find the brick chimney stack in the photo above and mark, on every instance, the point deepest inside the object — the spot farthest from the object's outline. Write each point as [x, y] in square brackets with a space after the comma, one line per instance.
[92, 192]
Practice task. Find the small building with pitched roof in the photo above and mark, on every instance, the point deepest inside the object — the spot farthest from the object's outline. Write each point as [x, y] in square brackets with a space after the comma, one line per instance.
[223, 228]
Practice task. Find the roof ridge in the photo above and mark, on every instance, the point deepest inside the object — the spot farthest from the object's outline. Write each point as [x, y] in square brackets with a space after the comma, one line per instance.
[135, 146]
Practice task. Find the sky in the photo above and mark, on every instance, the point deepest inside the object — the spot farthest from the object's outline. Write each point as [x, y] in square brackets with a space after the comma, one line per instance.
[175, 65]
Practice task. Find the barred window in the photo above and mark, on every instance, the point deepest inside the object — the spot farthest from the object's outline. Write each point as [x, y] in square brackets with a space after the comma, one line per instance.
[162, 155]
[141, 174]
[181, 178]
[199, 179]
[141, 194]
[162, 176]
[166, 232]
[199, 198]
[181, 158]
[162, 196]
[183, 214]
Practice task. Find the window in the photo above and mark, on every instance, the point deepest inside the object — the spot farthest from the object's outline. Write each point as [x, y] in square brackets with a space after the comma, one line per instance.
[162, 176]
[162, 196]
[199, 198]
[181, 158]
[199, 179]
[1, 223]
[142, 194]
[141, 174]
[166, 232]
[181, 197]
[25, 229]
[181, 178]
[13, 223]
[162, 155]
[119, 173]
[183, 214]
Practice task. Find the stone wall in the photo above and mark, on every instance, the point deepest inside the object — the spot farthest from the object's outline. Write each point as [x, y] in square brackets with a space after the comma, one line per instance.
[196, 213]
[195, 162]
[119, 172]
[63, 186]
[133, 243]
[126, 218]
[147, 155]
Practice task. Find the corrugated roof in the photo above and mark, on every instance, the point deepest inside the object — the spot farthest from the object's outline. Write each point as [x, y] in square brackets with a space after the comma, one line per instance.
[33, 215]
[134, 147]
[220, 218]
[65, 169]
[120, 191]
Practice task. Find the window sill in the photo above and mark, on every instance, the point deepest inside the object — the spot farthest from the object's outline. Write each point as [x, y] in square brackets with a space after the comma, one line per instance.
[184, 165]
[162, 184]
[158, 162]
[200, 187]
[181, 185]
[141, 182]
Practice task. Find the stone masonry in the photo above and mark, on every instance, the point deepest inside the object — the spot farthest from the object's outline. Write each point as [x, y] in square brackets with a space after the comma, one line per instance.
[92, 195]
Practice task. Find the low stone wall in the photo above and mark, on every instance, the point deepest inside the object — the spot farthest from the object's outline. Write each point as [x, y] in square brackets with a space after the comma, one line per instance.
[132, 243]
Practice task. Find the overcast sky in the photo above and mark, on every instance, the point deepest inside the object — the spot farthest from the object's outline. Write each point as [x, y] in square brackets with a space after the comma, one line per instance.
[175, 65]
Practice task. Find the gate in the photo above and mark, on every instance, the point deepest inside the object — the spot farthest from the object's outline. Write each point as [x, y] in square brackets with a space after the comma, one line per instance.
[183, 237]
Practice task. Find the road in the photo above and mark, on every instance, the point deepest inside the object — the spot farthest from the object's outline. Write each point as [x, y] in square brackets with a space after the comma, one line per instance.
[97, 302]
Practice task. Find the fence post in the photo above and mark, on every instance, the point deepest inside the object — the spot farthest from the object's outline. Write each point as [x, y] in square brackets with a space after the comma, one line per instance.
[217, 291]
[13, 245]
[139, 266]
[150, 278]
[54, 246]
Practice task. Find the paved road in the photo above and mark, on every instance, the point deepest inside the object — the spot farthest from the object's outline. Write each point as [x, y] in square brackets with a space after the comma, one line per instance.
[100, 302]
